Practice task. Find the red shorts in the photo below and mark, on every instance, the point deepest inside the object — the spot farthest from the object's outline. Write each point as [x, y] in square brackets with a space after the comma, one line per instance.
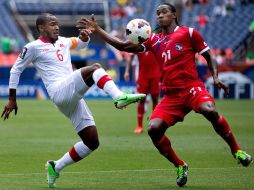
[149, 86]
[174, 106]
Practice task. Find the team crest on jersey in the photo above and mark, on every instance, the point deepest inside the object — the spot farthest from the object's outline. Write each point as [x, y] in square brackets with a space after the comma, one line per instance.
[23, 53]
[61, 45]
[179, 47]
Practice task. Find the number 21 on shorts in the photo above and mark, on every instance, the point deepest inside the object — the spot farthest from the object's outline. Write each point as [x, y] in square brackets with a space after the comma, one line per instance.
[194, 90]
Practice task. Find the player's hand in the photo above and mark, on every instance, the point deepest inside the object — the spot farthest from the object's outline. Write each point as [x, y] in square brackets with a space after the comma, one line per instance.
[221, 85]
[10, 106]
[84, 34]
[126, 77]
[90, 24]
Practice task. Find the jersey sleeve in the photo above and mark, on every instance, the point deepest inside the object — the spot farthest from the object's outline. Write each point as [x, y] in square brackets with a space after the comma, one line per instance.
[76, 43]
[25, 57]
[198, 43]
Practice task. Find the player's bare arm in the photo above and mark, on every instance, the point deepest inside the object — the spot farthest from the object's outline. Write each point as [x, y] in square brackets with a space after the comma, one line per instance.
[11, 105]
[213, 67]
[127, 68]
[92, 25]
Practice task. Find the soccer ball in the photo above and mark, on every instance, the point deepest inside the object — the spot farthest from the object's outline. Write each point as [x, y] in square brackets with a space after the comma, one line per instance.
[138, 31]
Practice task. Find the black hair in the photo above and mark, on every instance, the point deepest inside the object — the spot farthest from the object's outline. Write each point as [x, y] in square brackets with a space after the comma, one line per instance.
[173, 10]
[41, 19]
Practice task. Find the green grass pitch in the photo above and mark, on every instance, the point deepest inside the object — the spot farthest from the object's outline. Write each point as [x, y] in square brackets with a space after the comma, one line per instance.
[124, 160]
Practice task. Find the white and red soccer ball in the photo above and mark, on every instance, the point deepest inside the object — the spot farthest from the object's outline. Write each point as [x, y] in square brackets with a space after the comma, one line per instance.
[138, 31]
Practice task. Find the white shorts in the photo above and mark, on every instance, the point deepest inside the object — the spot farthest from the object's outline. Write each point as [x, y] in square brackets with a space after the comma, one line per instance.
[68, 97]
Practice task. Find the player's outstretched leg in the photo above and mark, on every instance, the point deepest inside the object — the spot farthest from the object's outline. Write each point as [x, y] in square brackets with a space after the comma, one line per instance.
[182, 172]
[95, 74]
[243, 158]
[52, 175]
[127, 99]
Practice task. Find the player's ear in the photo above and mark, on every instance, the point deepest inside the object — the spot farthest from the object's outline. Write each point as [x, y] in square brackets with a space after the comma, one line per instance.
[41, 28]
[174, 14]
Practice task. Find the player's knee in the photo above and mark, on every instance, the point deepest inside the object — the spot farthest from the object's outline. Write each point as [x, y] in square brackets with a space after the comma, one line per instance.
[96, 144]
[96, 66]
[210, 113]
[92, 144]
[154, 131]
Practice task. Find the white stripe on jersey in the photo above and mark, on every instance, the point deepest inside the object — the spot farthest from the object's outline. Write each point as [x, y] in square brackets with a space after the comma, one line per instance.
[204, 50]
[191, 32]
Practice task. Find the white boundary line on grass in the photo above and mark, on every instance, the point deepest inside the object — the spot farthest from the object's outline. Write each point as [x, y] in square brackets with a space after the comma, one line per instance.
[115, 171]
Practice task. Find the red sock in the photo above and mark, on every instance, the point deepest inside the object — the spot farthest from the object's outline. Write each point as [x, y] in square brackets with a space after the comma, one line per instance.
[103, 80]
[141, 111]
[74, 155]
[164, 147]
[223, 129]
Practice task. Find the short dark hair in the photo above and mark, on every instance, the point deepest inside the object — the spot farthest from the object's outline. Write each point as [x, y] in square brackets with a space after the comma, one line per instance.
[41, 19]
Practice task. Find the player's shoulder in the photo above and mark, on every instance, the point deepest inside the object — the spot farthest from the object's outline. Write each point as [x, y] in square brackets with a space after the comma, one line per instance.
[32, 44]
[187, 30]
[62, 38]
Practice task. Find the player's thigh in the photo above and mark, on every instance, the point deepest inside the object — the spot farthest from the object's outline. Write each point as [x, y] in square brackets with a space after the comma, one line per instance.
[171, 109]
[69, 91]
[198, 96]
[81, 116]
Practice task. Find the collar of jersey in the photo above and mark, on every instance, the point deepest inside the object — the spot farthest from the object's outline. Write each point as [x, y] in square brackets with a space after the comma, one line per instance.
[44, 40]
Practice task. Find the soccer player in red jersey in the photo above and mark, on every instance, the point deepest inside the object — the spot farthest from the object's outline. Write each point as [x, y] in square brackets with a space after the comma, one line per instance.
[175, 48]
[147, 80]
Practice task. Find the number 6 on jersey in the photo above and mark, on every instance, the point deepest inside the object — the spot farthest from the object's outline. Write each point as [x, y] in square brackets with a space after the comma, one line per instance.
[59, 55]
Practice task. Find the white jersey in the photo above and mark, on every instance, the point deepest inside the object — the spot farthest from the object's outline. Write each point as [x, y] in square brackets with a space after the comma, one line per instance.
[52, 61]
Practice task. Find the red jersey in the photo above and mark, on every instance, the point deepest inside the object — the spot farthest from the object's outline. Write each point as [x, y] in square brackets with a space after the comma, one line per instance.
[175, 52]
[148, 66]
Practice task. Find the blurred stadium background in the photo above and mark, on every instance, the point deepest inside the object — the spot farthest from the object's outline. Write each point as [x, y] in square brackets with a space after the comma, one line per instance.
[227, 26]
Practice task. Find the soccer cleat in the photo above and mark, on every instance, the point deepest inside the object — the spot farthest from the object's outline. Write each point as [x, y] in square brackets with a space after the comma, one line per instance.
[138, 130]
[243, 158]
[52, 175]
[127, 99]
[181, 179]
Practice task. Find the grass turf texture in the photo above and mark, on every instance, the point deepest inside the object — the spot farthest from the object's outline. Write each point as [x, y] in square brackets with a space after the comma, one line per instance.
[124, 160]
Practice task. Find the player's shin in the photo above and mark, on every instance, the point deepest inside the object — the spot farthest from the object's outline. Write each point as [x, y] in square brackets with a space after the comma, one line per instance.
[223, 129]
[165, 148]
[77, 153]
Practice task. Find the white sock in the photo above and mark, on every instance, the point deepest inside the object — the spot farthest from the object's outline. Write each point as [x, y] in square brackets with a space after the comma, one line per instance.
[80, 148]
[109, 87]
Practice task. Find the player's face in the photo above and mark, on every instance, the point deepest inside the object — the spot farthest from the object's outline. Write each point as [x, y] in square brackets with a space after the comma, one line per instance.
[165, 16]
[50, 29]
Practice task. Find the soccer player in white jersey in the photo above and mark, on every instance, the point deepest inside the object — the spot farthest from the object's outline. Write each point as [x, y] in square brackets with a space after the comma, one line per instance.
[50, 55]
